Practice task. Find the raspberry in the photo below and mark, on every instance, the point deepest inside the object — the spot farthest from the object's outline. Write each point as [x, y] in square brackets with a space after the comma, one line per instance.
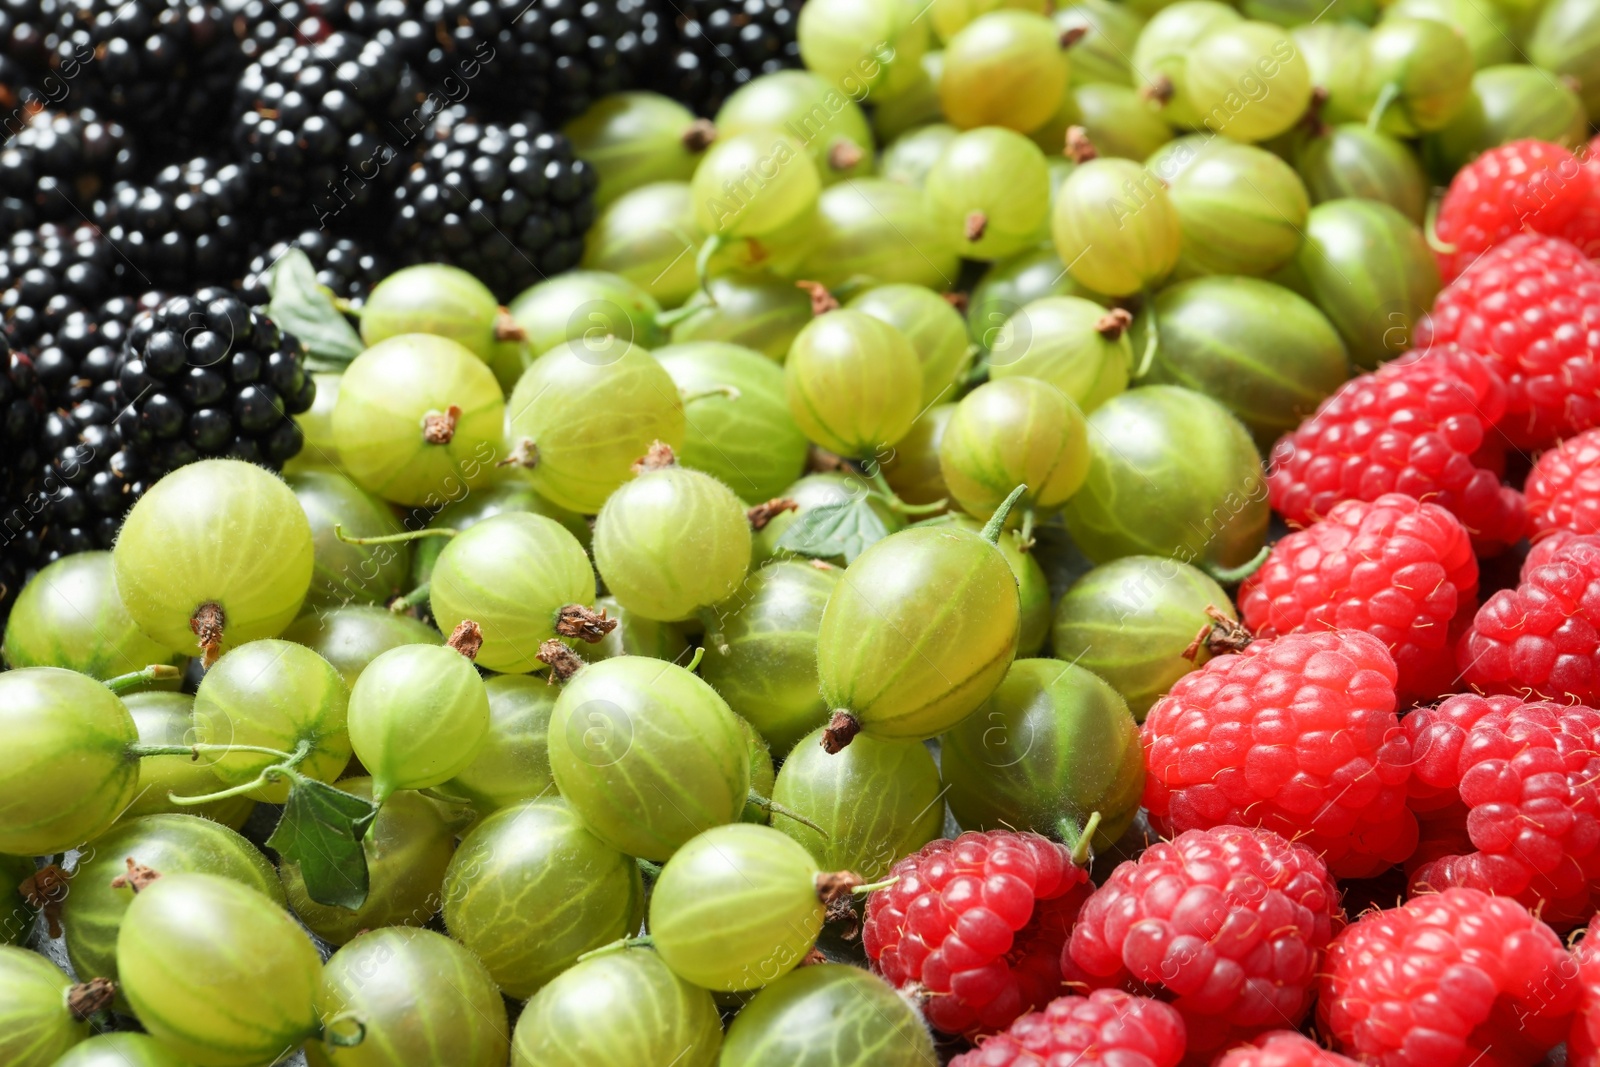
[1410, 427]
[1532, 185]
[1283, 1048]
[1396, 568]
[1447, 980]
[1521, 779]
[1541, 640]
[1106, 1027]
[1563, 489]
[978, 923]
[1583, 229]
[1531, 306]
[1583, 1043]
[1228, 924]
[1296, 734]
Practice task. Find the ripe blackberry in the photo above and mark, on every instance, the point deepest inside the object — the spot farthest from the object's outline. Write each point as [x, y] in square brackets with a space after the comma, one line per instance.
[22, 33]
[507, 203]
[318, 123]
[343, 265]
[22, 406]
[189, 226]
[56, 166]
[205, 376]
[48, 273]
[712, 47]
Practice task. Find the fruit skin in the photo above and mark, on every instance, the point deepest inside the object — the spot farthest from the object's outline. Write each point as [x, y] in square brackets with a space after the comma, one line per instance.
[1517, 781]
[1017, 431]
[1563, 41]
[1351, 161]
[1412, 427]
[1329, 768]
[1229, 923]
[781, 97]
[418, 715]
[1582, 1040]
[1429, 65]
[872, 229]
[921, 633]
[1427, 984]
[343, 572]
[92, 914]
[828, 1015]
[1130, 621]
[353, 636]
[1542, 639]
[977, 922]
[1241, 209]
[1053, 745]
[1396, 568]
[422, 997]
[512, 492]
[1120, 251]
[1563, 489]
[69, 615]
[435, 299]
[217, 971]
[166, 718]
[1552, 373]
[853, 383]
[618, 1007]
[1200, 496]
[35, 1025]
[1061, 340]
[876, 802]
[70, 773]
[755, 310]
[1033, 586]
[16, 914]
[614, 726]
[936, 330]
[1107, 1026]
[968, 178]
[514, 762]
[177, 530]
[119, 1050]
[1509, 102]
[1282, 1048]
[1525, 184]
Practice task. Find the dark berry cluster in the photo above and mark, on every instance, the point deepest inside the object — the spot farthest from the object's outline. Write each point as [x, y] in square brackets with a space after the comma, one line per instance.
[189, 223]
[712, 47]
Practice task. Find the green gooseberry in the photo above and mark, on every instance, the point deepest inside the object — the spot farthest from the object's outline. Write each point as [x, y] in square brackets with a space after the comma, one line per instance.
[1011, 284]
[353, 636]
[762, 773]
[1108, 32]
[757, 311]
[1508, 103]
[418, 715]
[753, 184]
[1033, 586]
[121, 1049]
[648, 236]
[1418, 75]
[828, 1015]
[1115, 226]
[911, 110]
[909, 156]
[853, 383]
[1005, 68]
[1161, 54]
[1241, 209]
[832, 126]
[1011, 432]
[1246, 81]
[1487, 27]
[990, 191]
[316, 426]
[1073, 344]
[344, 573]
[934, 327]
[1293, 13]
[436, 299]
[16, 914]
[634, 138]
[634, 635]
[866, 48]
[513, 763]
[168, 719]
[37, 1024]
[815, 490]
[1120, 122]
[69, 615]
[1053, 747]
[871, 230]
[514, 492]
[1350, 160]
[875, 802]
[595, 307]
[1565, 40]
[913, 470]
[1336, 52]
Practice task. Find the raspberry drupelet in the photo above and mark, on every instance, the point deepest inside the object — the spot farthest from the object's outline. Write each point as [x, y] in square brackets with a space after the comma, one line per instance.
[1107, 1027]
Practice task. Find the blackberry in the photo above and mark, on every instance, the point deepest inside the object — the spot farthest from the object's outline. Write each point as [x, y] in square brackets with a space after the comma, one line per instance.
[348, 270]
[205, 376]
[318, 122]
[49, 272]
[189, 226]
[77, 361]
[507, 203]
[22, 33]
[22, 406]
[712, 47]
[57, 164]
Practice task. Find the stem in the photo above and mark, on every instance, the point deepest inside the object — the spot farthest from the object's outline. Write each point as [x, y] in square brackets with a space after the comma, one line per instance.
[194, 750]
[881, 486]
[1152, 341]
[156, 672]
[1025, 539]
[863, 890]
[402, 604]
[271, 773]
[645, 941]
[342, 305]
[731, 392]
[666, 320]
[702, 263]
[389, 539]
[1386, 97]
[264, 778]
[648, 869]
[331, 1037]
[772, 807]
[997, 521]
[714, 636]
[1430, 231]
[1080, 839]
[1234, 575]
[699, 654]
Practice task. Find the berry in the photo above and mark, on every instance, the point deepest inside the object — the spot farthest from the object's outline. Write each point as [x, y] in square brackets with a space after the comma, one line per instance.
[1228, 924]
[1296, 734]
[345, 266]
[977, 924]
[1410, 427]
[1542, 639]
[1519, 779]
[1447, 980]
[1396, 568]
[187, 227]
[1283, 1048]
[1523, 185]
[507, 203]
[1531, 307]
[1563, 489]
[711, 47]
[57, 162]
[1583, 1043]
[47, 273]
[1106, 1027]
[1583, 229]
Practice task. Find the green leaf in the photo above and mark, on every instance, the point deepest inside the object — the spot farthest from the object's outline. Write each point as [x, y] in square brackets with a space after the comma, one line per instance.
[828, 530]
[301, 306]
[321, 830]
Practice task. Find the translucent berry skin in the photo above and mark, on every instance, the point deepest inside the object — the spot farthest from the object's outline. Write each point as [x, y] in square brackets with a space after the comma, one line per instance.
[1296, 734]
[1227, 924]
[977, 922]
[1106, 1027]
[1446, 980]
[1563, 489]
[1533, 185]
[1283, 1048]
[1519, 780]
[1542, 639]
[828, 1015]
[1410, 427]
[1531, 306]
[1396, 568]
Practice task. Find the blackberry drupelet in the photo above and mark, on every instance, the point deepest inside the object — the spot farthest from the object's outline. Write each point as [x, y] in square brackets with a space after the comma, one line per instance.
[713, 46]
[507, 203]
[188, 227]
[53, 168]
[347, 268]
[22, 406]
[206, 376]
[49, 272]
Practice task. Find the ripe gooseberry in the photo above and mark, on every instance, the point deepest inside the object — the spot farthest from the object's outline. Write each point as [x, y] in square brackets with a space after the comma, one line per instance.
[828, 1015]
[125, 1049]
[934, 327]
[1162, 51]
[1007, 68]
[913, 470]
[867, 49]
[514, 761]
[853, 383]
[353, 636]
[1015, 431]
[1033, 586]
[344, 572]
[1417, 75]
[16, 914]
[70, 615]
[587, 304]
[164, 718]
[869, 228]
[1349, 161]
[1010, 284]
[1108, 33]
[512, 492]
[834, 127]
[1246, 81]
[642, 237]
[758, 311]
[1241, 208]
[1120, 121]
[1114, 226]
[43, 1013]
[434, 299]
[753, 184]
[990, 190]
[909, 156]
[1072, 343]
[634, 138]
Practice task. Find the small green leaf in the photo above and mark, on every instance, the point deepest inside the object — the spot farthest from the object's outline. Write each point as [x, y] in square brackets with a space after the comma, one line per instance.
[321, 830]
[845, 529]
[301, 306]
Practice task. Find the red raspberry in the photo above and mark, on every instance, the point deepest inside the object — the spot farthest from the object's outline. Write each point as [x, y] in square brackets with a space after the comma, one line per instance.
[1583, 1043]
[1544, 549]
[1532, 185]
[1228, 924]
[1541, 640]
[1107, 1027]
[1410, 427]
[1448, 979]
[1296, 734]
[1531, 306]
[1583, 229]
[1396, 568]
[978, 923]
[1283, 1048]
[1563, 489]
[1520, 779]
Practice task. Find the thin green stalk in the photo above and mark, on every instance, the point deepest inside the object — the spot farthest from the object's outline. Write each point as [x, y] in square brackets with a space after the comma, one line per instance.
[156, 672]
[389, 539]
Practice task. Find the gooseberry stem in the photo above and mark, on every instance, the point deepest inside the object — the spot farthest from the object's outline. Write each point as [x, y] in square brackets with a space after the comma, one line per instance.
[1430, 231]
[702, 263]
[1234, 575]
[997, 521]
[268, 774]
[389, 539]
[194, 750]
[340, 1040]
[731, 392]
[699, 654]
[1386, 96]
[772, 807]
[714, 636]
[643, 941]
[156, 672]
[648, 869]
[881, 486]
[873, 887]
[402, 604]
[1025, 538]
[1080, 840]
